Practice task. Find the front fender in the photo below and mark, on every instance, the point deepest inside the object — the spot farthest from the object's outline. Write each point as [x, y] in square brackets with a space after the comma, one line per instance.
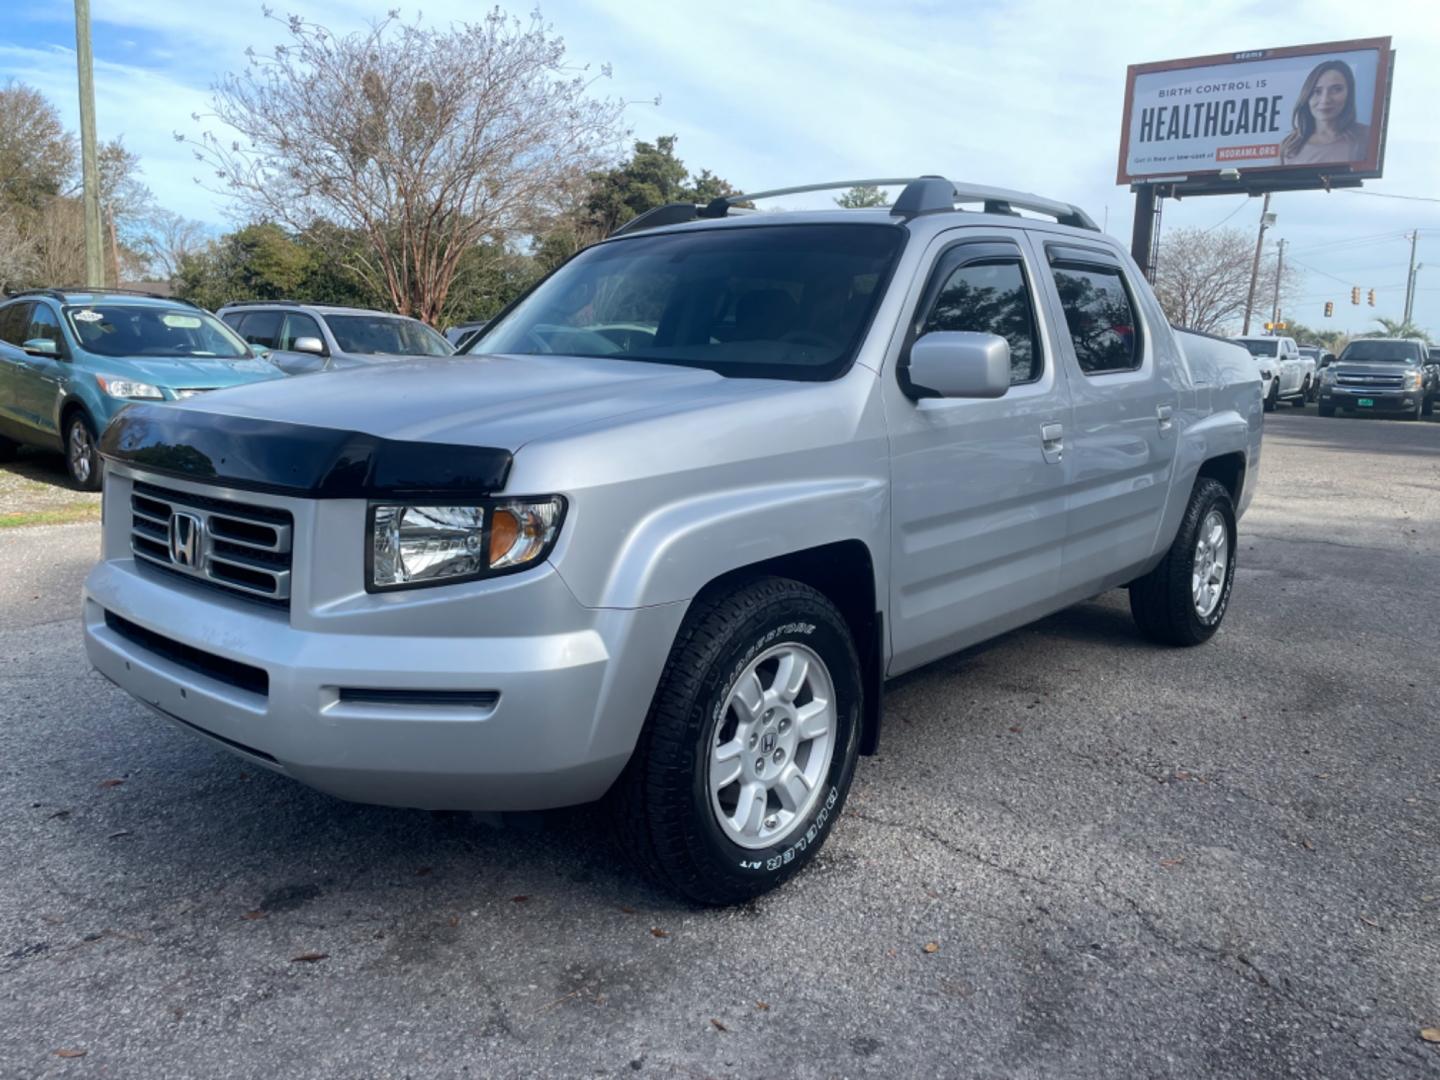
[672, 552]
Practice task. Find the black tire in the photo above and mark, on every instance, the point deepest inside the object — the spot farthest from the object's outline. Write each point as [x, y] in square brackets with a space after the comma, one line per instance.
[1162, 601]
[661, 805]
[1415, 413]
[1304, 397]
[84, 468]
[1428, 408]
[1327, 410]
[1274, 397]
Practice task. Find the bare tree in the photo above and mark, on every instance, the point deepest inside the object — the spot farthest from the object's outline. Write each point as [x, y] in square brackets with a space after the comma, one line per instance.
[1203, 279]
[425, 141]
[168, 239]
[17, 250]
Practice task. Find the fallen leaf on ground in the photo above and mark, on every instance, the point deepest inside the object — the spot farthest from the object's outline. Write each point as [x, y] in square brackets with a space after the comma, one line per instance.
[763, 1006]
[253, 915]
[1308, 845]
[627, 909]
[60, 814]
[931, 947]
[1168, 863]
[1016, 728]
[454, 920]
[1369, 921]
[309, 958]
[655, 931]
[111, 783]
[71, 1053]
[424, 870]
[117, 834]
[519, 899]
[718, 1025]
[1428, 1034]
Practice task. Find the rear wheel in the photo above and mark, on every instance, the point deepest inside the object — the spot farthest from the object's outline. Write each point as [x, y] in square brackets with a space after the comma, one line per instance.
[1183, 600]
[1304, 397]
[82, 460]
[750, 745]
[1274, 397]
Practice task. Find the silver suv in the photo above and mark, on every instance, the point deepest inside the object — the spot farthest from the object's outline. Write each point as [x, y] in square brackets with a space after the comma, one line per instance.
[712, 483]
[302, 338]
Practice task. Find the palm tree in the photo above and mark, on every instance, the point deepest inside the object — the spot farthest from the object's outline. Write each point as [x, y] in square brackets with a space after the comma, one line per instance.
[1402, 328]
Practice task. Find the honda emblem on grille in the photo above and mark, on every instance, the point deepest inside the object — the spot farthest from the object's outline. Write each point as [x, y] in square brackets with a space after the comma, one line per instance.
[186, 532]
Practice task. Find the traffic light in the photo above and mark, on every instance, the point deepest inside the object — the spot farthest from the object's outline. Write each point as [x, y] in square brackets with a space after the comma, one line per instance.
[1355, 294]
[1372, 297]
[1329, 308]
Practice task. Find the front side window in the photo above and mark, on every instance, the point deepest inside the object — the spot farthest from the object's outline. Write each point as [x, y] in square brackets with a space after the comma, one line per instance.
[45, 326]
[135, 330]
[991, 297]
[386, 335]
[298, 326]
[765, 301]
[261, 328]
[1100, 316]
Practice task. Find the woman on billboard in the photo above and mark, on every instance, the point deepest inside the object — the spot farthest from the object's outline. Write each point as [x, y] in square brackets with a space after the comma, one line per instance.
[1325, 130]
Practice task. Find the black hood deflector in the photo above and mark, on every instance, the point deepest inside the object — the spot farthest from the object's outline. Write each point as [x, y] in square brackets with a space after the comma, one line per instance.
[293, 459]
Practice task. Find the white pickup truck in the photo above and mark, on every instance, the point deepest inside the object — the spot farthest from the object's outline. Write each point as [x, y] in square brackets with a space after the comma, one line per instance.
[1287, 373]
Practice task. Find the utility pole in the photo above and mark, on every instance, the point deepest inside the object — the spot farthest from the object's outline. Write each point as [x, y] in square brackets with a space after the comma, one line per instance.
[1410, 281]
[1279, 270]
[1255, 265]
[90, 168]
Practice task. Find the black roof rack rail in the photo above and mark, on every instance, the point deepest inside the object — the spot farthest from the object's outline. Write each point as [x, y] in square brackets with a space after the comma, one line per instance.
[54, 294]
[263, 303]
[92, 290]
[920, 195]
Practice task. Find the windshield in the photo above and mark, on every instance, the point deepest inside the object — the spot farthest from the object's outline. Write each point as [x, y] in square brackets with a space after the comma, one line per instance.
[149, 330]
[1382, 352]
[1260, 348]
[782, 301]
[388, 335]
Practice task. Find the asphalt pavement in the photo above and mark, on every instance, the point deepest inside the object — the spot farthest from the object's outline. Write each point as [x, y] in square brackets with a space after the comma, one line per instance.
[1077, 855]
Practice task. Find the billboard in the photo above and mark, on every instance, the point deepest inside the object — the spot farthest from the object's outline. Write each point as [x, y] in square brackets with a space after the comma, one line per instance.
[1317, 108]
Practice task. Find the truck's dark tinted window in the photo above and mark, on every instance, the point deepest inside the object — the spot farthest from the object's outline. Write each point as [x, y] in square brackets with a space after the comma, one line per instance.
[990, 298]
[1101, 319]
[768, 301]
[1383, 352]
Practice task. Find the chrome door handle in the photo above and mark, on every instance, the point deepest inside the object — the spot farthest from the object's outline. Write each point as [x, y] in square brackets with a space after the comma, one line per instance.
[1163, 414]
[1052, 442]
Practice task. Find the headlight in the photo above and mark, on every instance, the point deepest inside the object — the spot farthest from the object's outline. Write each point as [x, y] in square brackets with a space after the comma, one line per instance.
[1414, 380]
[128, 388]
[1326, 377]
[412, 546]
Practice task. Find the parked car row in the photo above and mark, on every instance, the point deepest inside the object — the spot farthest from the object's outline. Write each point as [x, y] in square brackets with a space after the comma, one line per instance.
[1380, 375]
[71, 359]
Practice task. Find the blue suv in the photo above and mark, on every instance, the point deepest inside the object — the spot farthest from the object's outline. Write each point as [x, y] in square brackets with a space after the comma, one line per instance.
[70, 360]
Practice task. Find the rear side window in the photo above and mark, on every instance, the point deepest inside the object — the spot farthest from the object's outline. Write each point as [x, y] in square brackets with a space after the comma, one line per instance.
[14, 321]
[261, 328]
[1100, 316]
[990, 296]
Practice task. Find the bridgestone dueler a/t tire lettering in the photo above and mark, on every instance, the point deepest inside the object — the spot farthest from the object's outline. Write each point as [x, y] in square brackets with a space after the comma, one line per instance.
[1163, 601]
[661, 805]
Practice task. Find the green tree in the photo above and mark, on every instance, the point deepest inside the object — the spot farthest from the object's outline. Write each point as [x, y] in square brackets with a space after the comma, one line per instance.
[1331, 340]
[1400, 328]
[257, 262]
[862, 196]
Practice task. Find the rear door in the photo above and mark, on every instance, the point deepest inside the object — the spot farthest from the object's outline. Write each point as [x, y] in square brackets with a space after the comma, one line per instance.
[1125, 388]
[40, 379]
[977, 486]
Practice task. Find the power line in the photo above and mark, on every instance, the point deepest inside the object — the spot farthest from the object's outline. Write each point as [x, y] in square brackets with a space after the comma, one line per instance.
[1391, 195]
[1230, 215]
[1358, 241]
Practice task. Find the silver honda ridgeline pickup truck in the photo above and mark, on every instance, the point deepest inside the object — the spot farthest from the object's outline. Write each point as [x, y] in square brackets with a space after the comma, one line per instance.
[665, 531]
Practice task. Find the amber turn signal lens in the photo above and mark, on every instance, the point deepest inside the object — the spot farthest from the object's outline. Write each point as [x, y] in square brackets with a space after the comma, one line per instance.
[504, 531]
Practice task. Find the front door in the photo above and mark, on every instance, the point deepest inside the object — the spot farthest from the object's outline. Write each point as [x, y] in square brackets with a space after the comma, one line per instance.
[40, 379]
[978, 487]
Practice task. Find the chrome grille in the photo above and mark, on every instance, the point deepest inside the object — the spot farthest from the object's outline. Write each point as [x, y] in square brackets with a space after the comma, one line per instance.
[1367, 379]
[235, 546]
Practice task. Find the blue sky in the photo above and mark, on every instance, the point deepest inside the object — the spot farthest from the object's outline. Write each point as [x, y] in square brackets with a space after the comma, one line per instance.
[1019, 93]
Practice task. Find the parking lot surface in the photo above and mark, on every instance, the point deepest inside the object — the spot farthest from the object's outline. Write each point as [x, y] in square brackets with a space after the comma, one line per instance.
[1077, 855]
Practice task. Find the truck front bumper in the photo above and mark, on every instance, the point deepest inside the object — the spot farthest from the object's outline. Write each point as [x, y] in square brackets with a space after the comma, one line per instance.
[1379, 401]
[518, 722]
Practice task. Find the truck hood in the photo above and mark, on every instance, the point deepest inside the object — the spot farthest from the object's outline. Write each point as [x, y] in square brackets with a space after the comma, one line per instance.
[192, 373]
[495, 401]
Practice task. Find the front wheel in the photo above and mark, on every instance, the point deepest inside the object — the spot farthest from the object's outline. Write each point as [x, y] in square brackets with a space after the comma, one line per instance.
[1183, 600]
[82, 460]
[750, 745]
[1273, 398]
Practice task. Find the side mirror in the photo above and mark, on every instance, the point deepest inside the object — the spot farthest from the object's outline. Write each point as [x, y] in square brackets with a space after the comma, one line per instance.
[41, 347]
[960, 364]
[309, 345]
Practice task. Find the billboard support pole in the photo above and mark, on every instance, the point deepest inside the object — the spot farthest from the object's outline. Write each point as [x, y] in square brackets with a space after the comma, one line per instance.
[1255, 265]
[1142, 233]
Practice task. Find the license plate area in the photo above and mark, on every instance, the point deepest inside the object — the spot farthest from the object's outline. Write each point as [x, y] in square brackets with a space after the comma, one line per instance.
[1366, 403]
